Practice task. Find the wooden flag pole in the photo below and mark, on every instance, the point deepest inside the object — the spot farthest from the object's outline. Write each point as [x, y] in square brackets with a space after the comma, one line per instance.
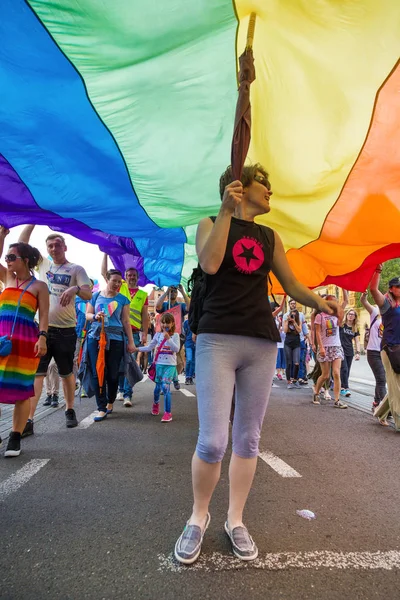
[250, 30]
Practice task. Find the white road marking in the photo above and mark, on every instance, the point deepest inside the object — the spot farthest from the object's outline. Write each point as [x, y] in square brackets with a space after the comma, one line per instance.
[87, 421]
[187, 393]
[22, 476]
[278, 464]
[282, 561]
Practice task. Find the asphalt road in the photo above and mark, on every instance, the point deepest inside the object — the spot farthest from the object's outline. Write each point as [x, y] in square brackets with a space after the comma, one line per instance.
[98, 518]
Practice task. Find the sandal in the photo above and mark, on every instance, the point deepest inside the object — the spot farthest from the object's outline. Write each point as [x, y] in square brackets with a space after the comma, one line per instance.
[340, 404]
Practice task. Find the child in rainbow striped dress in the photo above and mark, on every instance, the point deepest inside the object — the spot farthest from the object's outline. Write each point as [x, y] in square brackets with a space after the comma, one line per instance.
[18, 306]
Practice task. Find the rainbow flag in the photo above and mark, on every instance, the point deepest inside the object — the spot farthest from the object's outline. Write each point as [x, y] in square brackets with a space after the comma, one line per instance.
[117, 121]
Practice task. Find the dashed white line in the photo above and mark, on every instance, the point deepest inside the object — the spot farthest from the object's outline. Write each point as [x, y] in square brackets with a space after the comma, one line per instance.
[87, 421]
[187, 393]
[281, 561]
[22, 476]
[278, 464]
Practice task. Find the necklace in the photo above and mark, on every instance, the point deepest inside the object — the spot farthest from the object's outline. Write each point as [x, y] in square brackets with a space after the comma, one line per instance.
[19, 285]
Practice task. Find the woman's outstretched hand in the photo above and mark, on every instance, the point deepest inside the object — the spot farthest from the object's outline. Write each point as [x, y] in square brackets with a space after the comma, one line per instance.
[332, 307]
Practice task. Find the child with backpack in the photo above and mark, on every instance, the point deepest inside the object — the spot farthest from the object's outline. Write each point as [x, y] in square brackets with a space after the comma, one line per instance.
[163, 369]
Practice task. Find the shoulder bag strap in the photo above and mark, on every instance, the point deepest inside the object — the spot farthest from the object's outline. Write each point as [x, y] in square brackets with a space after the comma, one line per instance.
[19, 304]
[376, 316]
[159, 350]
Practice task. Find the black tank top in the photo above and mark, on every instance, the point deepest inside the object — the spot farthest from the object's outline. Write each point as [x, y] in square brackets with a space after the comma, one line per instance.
[236, 301]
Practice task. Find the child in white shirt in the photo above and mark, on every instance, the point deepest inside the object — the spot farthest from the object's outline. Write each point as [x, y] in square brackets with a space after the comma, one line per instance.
[166, 345]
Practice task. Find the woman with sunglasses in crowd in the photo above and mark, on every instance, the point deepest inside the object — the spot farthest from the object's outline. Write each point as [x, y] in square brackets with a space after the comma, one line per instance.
[22, 297]
[113, 308]
[349, 336]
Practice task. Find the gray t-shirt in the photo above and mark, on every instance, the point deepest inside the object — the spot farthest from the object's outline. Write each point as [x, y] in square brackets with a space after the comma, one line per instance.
[59, 278]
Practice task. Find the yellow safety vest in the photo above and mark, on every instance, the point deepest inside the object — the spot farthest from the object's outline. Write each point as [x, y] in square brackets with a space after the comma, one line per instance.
[137, 303]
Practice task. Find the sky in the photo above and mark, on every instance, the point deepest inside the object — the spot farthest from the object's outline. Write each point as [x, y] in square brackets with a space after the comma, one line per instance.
[81, 253]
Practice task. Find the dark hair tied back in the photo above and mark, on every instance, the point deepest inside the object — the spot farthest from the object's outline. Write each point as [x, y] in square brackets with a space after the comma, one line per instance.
[26, 251]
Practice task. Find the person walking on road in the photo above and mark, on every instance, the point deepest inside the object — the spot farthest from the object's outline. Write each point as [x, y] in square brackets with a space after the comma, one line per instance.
[292, 328]
[112, 307]
[389, 306]
[329, 355]
[138, 316]
[52, 383]
[167, 301]
[349, 336]
[190, 352]
[236, 348]
[373, 348]
[22, 297]
[65, 281]
[165, 345]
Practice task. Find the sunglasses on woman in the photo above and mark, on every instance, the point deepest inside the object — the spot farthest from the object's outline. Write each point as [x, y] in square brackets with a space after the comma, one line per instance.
[11, 257]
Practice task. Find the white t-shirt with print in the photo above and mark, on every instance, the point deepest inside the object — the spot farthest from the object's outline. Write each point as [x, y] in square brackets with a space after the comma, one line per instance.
[330, 335]
[375, 332]
[58, 279]
[168, 352]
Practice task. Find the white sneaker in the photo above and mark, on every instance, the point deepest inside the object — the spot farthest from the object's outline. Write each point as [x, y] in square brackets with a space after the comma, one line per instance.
[127, 402]
[120, 396]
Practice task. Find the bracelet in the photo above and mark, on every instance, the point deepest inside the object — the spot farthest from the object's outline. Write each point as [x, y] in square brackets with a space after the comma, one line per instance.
[43, 333]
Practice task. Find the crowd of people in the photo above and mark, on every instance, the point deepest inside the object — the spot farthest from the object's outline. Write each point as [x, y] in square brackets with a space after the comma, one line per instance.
[234, 342]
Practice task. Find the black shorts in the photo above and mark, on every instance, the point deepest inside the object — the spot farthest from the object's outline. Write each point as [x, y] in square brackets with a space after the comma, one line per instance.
[61, 344]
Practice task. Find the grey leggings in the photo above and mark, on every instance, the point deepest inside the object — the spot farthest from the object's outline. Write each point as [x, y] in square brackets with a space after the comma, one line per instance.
[223, 362]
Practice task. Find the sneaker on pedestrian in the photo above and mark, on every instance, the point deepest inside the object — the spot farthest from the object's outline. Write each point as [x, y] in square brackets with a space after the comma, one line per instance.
[54, 401]
[177, 385]
[70, 417]
[187, 381]
[120, 396]
[316, 399]
[296, 384]
[279, 376]
[128, 402]
[340, 404]
[243, 545]
[28, 430]
[326, 395]
[166, 418]
[342, 392]
[14, 445]
[156, 409]
[48, 400]
[290, 386]
[84, 394]
[188, 546]
[347, 393]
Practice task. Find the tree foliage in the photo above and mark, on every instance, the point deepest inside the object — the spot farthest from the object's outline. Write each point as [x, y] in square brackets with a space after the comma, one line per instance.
[391, 269]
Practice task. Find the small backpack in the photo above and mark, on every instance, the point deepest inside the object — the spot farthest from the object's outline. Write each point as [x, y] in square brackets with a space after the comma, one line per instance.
[197, 287]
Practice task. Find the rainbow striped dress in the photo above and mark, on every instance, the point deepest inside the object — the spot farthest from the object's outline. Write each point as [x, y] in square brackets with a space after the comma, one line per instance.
[18, 369]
